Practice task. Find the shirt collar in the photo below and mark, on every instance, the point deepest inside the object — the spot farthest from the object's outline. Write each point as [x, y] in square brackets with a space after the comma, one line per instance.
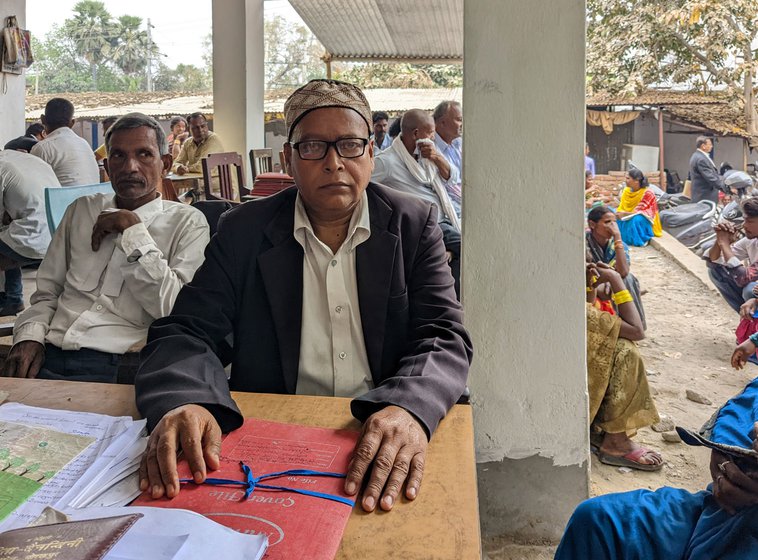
[146, 212]
[204, 141]
[359, 229]
[60, 132]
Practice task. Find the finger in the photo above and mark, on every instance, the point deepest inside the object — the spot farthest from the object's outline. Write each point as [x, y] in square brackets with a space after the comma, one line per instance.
[735, 475]
[192, 446]
[144, 483]
[168, 480]
[380, 472]
[414, 477]
[212, 445]
[154, 481]
[364, 453]
[96, 238]
[397, 477]
[36, 365]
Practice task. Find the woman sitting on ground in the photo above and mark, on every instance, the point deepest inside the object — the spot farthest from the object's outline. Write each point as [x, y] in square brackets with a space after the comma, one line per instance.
[606, 246]
[638, 211]
[620, 401]
[179, 134]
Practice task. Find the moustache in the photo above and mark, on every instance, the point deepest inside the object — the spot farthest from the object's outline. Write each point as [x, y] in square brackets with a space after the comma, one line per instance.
[130, 179]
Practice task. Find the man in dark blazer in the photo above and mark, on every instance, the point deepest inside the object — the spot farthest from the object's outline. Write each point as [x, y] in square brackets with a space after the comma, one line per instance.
[705, 178]
[336, 287]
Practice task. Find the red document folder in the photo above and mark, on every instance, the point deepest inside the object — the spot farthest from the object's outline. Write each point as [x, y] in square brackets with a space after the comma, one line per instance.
[297, 526]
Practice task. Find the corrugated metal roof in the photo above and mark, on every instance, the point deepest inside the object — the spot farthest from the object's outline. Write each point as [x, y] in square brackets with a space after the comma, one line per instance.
[386, 29]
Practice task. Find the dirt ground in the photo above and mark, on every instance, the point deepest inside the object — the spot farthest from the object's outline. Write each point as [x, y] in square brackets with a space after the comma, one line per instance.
[690, 338]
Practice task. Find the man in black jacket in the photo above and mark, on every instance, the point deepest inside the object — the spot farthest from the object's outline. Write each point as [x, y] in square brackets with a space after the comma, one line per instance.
[705, 178]
[339, 287]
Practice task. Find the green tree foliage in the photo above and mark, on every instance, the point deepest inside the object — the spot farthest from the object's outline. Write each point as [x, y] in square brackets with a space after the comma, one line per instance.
[93, 51]
[705, 44]
[402, 75]
[292, 54]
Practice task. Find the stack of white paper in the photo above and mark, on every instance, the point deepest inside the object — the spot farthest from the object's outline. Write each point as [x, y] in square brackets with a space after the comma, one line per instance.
[179, 534]
[103, 474]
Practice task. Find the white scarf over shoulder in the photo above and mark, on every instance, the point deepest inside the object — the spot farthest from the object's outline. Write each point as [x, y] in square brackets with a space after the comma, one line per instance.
[424, 171]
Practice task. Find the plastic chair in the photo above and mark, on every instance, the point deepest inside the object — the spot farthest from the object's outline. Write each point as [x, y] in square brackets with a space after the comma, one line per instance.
[57, 199]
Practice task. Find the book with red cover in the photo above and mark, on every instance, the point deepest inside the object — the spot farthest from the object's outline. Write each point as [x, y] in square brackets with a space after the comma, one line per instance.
[298, 526]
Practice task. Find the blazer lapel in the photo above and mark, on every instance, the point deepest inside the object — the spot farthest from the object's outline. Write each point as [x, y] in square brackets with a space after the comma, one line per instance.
[282, 272]
[375, 262]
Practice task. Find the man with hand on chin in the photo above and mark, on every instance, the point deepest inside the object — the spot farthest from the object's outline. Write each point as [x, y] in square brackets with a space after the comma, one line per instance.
[337, 287]
[115, 264]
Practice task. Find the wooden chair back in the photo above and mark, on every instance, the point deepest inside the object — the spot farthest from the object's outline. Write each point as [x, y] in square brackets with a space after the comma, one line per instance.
[282, 162]
[169, 191]
[261, 161]
[223, 163]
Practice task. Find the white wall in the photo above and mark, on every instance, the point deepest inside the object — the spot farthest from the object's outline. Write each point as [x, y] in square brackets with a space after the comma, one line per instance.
[523, 255]
[12, 101]
[238, 75]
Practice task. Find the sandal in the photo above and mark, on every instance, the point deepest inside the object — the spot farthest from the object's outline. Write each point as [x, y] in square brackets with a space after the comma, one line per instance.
[630, 460]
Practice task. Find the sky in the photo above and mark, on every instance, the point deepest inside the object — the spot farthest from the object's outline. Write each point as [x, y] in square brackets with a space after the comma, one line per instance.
[177, 31]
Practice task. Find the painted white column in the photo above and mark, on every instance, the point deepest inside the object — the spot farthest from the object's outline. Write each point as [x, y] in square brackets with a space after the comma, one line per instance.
[523, 255]
[238, 58]
[12, 102]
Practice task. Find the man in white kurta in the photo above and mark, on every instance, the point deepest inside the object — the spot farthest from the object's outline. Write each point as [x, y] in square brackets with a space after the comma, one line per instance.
[24, 235]
[115, 264]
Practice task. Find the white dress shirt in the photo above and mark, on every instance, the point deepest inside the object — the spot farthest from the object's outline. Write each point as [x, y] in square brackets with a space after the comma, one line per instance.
[333, 359]
[391, 171]
[106, 300]
[23, 179]
[70, 156]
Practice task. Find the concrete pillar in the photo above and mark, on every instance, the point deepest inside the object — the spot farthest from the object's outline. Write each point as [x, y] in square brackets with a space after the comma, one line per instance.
[12, 99]
[238, 58]
[523, 255]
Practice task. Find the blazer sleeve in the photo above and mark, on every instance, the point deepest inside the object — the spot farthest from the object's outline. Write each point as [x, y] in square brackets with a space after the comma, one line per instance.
[431, 375]
[708, 173]
[180, 363]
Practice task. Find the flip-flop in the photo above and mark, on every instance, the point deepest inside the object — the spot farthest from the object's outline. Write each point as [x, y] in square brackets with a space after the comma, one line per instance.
[630, 460]
[596, 440]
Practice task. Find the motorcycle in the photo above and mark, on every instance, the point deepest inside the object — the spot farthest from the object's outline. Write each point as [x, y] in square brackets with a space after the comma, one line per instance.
[692, 224]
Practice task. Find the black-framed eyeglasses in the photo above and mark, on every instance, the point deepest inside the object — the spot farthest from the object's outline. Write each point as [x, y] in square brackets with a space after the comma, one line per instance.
[347, 148]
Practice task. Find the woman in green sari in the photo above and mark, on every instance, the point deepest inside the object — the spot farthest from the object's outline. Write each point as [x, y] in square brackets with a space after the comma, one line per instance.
[620, 401]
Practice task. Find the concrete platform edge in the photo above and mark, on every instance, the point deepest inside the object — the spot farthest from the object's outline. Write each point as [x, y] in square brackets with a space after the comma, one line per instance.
[689, 261]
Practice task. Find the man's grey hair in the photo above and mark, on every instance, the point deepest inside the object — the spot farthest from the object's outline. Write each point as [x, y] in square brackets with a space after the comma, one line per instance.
[702, 140]
[137, 120]
[442, 109]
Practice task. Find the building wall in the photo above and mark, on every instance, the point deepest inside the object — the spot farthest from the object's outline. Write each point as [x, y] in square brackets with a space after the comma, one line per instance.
[523, 255]
[679, 143]
[12, 100]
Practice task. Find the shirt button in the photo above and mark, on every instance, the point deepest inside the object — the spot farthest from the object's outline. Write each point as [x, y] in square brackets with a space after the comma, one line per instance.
[334, 262]
[338, 309]
[343, 355]
[99, 307]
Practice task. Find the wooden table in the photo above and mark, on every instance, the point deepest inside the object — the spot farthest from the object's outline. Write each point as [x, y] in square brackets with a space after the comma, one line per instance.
[442, 523]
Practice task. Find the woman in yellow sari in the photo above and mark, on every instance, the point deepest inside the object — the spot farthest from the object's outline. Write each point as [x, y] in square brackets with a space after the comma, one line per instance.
[620, 401]
[638, 211]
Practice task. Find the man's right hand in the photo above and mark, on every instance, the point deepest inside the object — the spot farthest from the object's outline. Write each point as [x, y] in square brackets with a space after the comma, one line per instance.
[748, 308]
[182, 170]
[190, 428]
[24, 360]
[742, 353]
[732, 488]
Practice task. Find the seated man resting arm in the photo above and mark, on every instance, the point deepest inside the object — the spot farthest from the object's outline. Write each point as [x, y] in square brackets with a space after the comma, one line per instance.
[338, 287]
[115, 264]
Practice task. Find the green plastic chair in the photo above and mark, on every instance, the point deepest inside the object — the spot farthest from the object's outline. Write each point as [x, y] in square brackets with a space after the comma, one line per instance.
[57, 199]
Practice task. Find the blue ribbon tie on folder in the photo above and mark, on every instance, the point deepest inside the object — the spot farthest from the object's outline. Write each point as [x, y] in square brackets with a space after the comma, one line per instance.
[251, 482]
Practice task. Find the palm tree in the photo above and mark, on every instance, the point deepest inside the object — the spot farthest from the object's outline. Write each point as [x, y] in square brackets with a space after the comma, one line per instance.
[132, 46]
[92, 31]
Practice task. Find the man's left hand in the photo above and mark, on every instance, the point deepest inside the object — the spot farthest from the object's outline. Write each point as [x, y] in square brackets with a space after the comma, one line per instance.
[112, 222]
[391, 449]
